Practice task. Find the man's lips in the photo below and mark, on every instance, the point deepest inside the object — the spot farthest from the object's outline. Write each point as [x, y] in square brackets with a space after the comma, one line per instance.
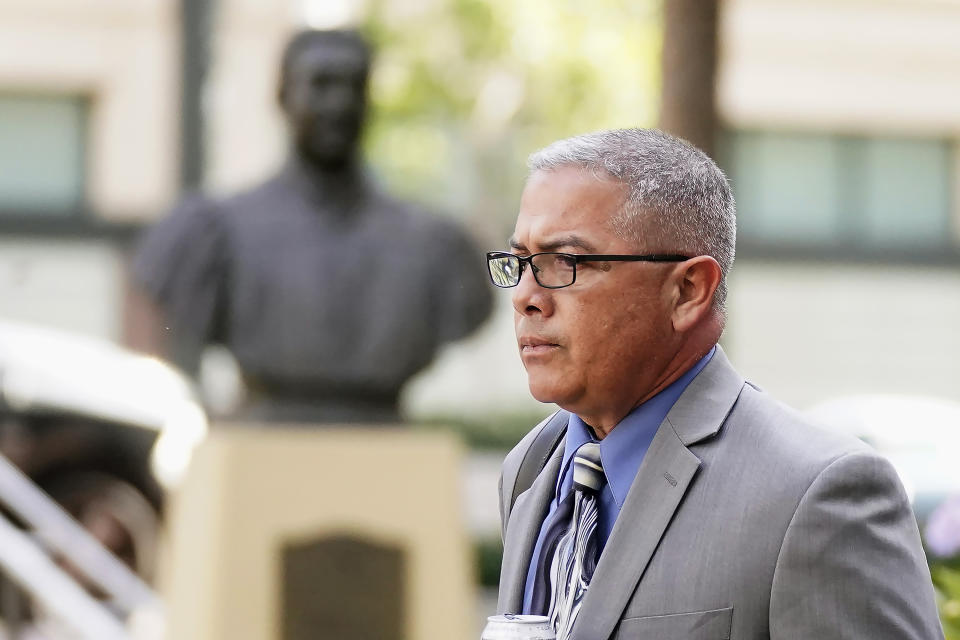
[533, 345]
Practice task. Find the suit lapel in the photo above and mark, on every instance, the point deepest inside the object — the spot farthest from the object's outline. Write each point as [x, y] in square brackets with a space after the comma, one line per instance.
[523, 529]
[667, 470]
[660, 484]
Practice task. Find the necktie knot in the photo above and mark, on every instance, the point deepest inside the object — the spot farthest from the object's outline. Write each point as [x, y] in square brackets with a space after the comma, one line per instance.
[588, 473]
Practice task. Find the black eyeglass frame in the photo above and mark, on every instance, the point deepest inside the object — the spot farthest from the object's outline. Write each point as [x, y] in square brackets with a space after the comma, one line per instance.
[577, 258]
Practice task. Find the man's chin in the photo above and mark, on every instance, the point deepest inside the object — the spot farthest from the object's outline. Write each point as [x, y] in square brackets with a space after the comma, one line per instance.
[544, 390]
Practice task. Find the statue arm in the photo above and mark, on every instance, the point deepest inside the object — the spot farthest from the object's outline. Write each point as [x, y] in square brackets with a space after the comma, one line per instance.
[178, 284]
[466, 298]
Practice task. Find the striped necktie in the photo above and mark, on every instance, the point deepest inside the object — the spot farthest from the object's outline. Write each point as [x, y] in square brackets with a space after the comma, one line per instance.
[575, 555]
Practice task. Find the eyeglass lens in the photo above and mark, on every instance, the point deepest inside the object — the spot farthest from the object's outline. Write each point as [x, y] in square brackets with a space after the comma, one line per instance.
[504, 270]
[550, 269]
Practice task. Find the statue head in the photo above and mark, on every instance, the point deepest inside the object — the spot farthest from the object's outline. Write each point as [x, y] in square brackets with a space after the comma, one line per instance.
[323, 93]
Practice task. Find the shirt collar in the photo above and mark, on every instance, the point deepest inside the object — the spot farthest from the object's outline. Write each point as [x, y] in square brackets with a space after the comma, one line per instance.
[623, 449]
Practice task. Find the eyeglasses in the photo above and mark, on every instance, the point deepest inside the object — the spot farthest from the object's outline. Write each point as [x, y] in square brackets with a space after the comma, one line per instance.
[556, 270]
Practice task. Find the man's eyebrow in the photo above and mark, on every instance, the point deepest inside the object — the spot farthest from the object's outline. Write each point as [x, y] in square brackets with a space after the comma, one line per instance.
[572, 241]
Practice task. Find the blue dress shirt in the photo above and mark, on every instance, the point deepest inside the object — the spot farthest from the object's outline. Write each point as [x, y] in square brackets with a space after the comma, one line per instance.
[621, 452]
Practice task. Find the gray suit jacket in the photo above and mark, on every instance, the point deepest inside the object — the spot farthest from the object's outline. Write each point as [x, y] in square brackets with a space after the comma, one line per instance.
[743, 522]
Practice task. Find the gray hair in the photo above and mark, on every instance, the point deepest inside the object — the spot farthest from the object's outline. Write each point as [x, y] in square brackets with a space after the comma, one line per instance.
[678, 200]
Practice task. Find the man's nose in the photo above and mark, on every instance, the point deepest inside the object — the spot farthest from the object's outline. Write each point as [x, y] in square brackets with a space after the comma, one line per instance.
[529, 298]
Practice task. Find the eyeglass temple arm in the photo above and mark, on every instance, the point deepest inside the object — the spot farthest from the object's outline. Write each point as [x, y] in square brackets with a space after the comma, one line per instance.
[653, 257]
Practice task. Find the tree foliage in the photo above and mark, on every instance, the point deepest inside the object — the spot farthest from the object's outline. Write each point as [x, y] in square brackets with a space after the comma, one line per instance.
[463, 90]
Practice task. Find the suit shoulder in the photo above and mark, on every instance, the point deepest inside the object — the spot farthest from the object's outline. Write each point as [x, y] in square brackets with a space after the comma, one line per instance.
[785, 438]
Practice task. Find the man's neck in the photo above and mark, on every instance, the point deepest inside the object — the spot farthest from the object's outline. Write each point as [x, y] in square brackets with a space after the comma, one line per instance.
[683, 361]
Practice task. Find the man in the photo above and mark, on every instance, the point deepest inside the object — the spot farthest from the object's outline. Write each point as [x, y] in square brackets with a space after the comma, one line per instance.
[716, 511]
[330, 294]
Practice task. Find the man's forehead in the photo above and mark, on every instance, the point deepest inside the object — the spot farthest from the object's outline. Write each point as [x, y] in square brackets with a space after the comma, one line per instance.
[568, 208]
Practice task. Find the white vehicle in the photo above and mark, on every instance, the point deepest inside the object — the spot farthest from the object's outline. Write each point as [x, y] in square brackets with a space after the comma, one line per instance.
[102, 429]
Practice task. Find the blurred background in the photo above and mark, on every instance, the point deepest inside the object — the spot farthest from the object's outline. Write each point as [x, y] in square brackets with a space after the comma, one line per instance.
[837, 122]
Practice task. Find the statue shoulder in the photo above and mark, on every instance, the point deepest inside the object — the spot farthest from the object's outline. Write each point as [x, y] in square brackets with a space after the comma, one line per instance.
[255, 199]
[193, 217]
[443, 229]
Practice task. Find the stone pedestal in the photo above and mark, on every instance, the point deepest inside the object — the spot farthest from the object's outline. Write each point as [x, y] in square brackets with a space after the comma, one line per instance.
[289, 534]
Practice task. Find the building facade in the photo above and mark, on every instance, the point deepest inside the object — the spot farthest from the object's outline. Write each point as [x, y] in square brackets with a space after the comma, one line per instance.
[841, 137]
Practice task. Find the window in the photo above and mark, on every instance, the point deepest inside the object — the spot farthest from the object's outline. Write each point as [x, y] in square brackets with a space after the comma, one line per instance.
[821, 190]
[42, 154]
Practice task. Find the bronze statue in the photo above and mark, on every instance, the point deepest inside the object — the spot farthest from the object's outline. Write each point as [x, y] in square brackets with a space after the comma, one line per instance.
[329, 293]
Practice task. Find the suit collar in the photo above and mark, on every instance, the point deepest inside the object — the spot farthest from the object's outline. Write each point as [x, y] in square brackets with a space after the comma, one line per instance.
[662, 480]
[626, 445]
[699, 413]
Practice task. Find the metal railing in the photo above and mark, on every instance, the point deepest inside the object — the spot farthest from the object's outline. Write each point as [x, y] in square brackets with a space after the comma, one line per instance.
[26, 557]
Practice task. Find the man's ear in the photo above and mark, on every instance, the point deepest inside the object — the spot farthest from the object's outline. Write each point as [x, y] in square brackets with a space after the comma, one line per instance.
[696, 279]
